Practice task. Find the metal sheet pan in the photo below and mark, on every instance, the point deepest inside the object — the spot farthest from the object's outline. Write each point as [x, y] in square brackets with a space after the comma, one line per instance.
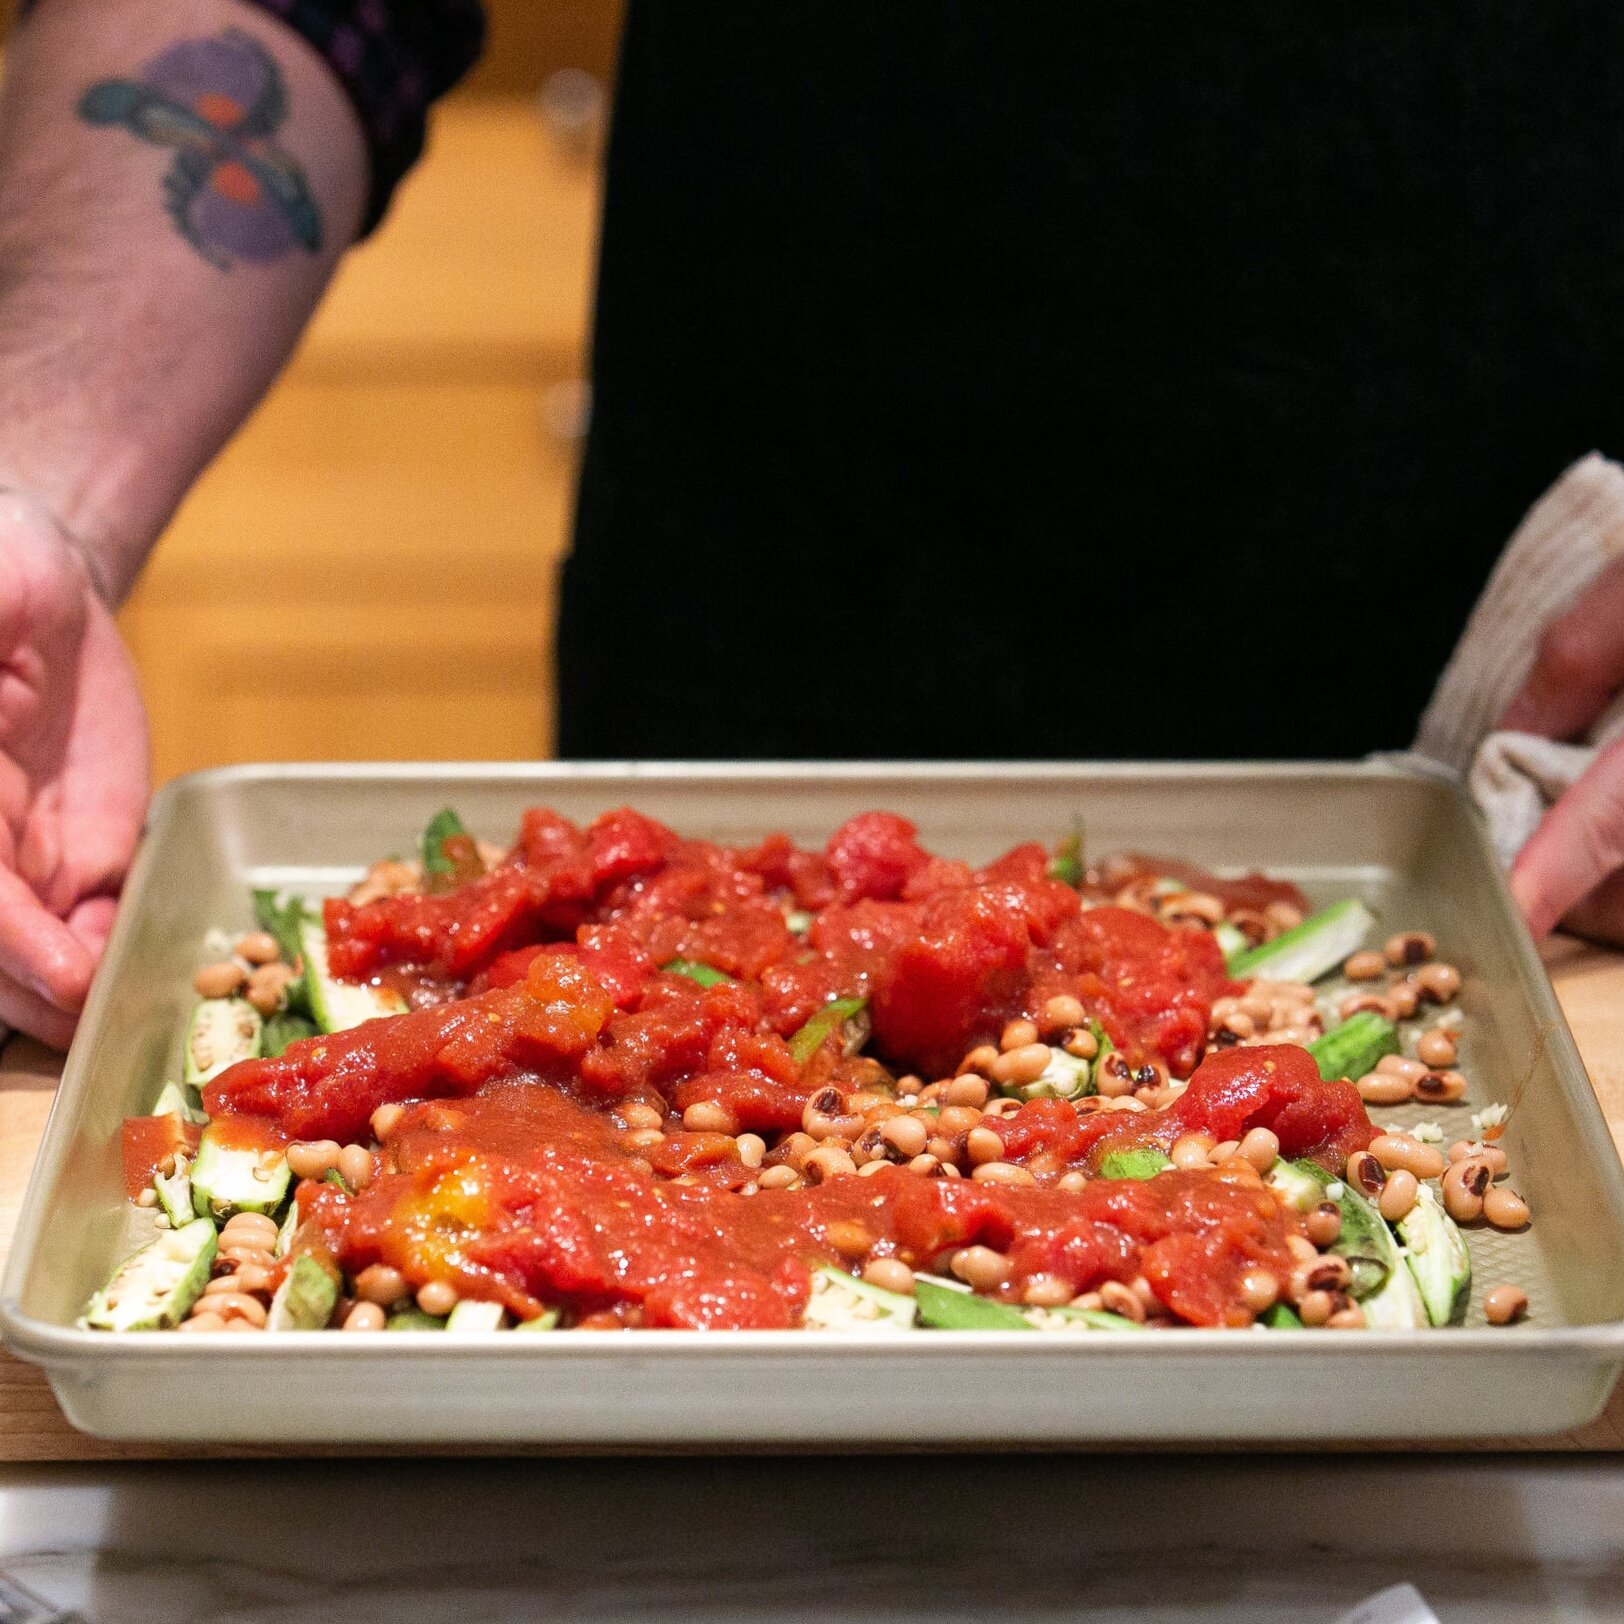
[1405, 841]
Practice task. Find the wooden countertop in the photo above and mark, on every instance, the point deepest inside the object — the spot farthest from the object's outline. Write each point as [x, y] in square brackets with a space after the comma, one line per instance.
[1589, 982]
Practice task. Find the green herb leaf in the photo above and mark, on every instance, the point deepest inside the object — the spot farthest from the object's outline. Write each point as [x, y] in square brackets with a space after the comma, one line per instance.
[282, 1029]
[815, 1033]
[706, 975]
[442, 826]
[283, 919]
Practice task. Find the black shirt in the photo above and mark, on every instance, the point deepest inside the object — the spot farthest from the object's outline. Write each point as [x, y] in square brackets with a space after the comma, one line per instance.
[1081, 380]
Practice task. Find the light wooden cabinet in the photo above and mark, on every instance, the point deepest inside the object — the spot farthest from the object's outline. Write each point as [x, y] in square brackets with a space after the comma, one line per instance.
[369, 570]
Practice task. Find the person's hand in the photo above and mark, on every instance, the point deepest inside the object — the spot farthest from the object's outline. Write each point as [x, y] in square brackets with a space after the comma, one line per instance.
[73, 773]
[1572, 870]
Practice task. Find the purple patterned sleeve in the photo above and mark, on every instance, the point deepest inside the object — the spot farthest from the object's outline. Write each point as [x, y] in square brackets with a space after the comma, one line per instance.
[394, 59]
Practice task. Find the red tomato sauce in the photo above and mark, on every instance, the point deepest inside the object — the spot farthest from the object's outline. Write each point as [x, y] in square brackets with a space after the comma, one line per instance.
[525, 1196]
[147, 1142]
[543, 1008]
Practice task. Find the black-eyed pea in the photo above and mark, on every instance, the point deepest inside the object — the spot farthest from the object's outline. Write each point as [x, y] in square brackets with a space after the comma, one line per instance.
[979, 1059]
[1399, 1150]
[437, 1297]
[1002, 1173]
[890, 1274]
[223, 980]
[1323, 1223]
[1384, 1088]
[1021, 1065]
[1117, 1298]
[312, 1158]
[1261, 1148]
[365, 1317]
[1505, 1305]
[258, 947]
[1363, 966]
[981, 1268]
[1436, 1049]
[1440, 1087]
[967, 1089]
[1191, 1150]
[1018, 1034]
[355, 1166]
[1437, 983]
[1399, 1195]
[1402, 1000]
[1409, 947]
[982, 1145]
[1063, 1012]
[1464, 1187]
[1504, 1208]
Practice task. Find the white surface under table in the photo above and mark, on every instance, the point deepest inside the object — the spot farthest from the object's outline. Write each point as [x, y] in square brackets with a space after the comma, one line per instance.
[897, 1539]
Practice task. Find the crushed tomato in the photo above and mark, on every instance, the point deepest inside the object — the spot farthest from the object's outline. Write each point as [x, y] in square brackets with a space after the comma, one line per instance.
[543, 1008]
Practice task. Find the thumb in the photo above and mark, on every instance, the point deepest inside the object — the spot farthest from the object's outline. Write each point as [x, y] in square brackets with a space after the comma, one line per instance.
[1579, 844]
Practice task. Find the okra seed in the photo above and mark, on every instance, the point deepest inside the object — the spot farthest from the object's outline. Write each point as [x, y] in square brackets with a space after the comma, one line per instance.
[1072, 1182]
[147, 1198]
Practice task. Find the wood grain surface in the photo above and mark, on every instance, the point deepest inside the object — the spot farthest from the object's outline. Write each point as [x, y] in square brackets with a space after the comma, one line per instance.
[1589, 982]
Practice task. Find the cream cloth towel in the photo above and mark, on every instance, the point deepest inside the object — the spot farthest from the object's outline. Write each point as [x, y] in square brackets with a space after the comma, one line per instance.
[1567, 537]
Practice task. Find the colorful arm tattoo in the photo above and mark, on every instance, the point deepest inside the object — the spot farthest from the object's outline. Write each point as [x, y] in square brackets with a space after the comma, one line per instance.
[217, 103]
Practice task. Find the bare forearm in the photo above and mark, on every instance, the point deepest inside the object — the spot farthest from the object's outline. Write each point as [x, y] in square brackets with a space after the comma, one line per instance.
[177, 180]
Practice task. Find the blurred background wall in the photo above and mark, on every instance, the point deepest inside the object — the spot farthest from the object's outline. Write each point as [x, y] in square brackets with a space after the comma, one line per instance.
[369, 570]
